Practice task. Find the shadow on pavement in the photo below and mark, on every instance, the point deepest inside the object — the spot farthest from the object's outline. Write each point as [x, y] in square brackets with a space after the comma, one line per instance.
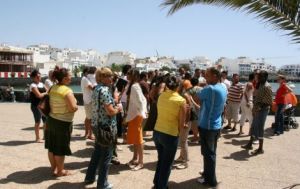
[66, 185]
[77, 165]
[237, 142]
[34, 176]
[16, 143]
[242, 155]
[28, 129]
[84, 153]
[191, 184]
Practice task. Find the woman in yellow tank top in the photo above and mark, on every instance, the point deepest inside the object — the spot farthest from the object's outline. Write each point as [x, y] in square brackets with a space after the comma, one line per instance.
[63, 105]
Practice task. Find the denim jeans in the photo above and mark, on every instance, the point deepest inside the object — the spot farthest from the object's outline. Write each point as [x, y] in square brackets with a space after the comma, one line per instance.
[100, 160]
[279, 122]
[258, 123]
[166, 146]
[208, 140]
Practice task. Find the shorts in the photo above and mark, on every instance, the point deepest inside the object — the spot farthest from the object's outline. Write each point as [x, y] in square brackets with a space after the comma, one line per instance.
[232, 111]
[88, 110]
[37, 114]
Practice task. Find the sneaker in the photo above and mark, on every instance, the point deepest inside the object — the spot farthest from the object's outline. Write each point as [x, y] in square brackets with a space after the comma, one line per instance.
[247, 147]
[255, 142]
[182, 166]
[201, 180]
[257, 152]
[88, 182]
[109, 186]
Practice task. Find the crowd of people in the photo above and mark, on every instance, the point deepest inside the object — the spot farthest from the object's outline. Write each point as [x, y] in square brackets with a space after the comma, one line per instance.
[172, 106]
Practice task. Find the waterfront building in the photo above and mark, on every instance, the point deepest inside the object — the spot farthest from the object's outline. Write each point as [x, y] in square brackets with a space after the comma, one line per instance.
[291, 70]
[15, 61]
[244, 65]
[120, 58]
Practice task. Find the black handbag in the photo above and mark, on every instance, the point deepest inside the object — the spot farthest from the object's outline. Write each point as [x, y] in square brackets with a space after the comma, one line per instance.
[44, 105]
[105, 134]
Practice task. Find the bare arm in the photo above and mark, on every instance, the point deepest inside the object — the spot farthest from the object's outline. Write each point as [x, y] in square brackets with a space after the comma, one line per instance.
[71, 102]
[37, 93]
[111, 110]
[182, 116]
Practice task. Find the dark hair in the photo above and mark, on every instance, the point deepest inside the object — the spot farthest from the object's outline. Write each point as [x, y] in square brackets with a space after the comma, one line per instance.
[194, 81]
[60, 74]
[125, 69]
[134, 77]
[92, 70]
[34, 73]
[251, 76]
[85, 70]
[143, 75]
[172, 82]
[187, 75]
[262, 77]
[235, 74]
[215, 72]
[225, 72]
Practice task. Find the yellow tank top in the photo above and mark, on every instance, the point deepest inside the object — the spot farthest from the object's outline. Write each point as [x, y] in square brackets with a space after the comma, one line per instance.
[58, 105]
[168, 107]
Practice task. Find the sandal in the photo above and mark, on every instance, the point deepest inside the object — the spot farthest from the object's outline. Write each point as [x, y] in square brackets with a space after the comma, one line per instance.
[132, 164]
[63, 173]
[138, 167]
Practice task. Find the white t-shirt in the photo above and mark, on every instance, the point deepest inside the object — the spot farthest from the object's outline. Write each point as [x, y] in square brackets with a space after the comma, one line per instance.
[87, 92]
[34, 85]
[48, 83]
[227, 83]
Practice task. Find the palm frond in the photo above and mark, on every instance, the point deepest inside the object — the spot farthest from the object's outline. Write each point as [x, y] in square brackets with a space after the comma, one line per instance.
[282, 14]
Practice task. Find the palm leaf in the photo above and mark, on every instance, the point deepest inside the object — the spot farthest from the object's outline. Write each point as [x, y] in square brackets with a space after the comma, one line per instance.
[282, 14]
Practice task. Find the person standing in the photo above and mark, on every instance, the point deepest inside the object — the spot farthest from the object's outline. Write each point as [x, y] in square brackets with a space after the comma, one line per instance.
[212, 99]
[63, 106]
[137, 109]
[261, 107]
[171, 117]
[87, 87]
[282, 91]
[49, 81]
[235, 93]
[247, 103]
[103, 115]
[37, 92]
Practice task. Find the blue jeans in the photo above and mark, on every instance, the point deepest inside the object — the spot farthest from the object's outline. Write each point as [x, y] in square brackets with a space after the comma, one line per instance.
[208, 140]
[100, 159]
[279, 122]
[166, 146]
[258, 123]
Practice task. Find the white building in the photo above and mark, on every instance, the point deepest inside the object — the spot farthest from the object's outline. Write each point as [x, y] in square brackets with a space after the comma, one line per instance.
[291, 69]
[201, 62]
[244, 65]
[119, 58]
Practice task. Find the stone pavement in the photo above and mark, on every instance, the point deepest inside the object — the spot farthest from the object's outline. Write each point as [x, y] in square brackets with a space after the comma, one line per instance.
[24, 164]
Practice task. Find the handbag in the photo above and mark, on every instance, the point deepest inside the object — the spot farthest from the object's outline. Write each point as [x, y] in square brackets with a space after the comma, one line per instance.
[44, 105]
[105, 134]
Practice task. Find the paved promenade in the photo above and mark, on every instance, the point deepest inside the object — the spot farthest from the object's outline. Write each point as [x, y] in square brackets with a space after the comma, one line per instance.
[24, 163]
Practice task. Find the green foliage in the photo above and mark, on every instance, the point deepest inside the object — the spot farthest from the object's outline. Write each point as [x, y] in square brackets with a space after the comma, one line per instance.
[282, 14]
[116, 67]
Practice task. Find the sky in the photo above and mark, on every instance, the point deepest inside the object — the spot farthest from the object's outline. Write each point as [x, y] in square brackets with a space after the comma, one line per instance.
[144, 28]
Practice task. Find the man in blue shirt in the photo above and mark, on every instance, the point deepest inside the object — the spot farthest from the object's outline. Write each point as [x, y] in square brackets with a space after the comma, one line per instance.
[212, 100]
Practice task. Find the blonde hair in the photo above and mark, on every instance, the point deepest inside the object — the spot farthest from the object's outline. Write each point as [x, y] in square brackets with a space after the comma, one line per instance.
[102, 73]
